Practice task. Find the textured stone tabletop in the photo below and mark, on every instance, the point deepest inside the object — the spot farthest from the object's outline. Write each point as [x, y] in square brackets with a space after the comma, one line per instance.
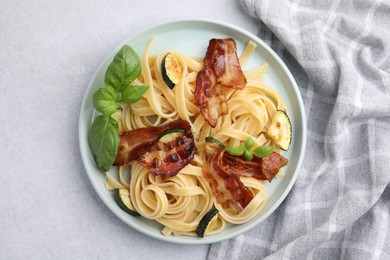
[49, 51]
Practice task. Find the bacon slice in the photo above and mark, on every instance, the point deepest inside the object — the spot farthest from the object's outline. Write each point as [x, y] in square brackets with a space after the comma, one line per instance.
[260, 168]
[221, 68]
[164, 159]
[223, 172]
[168, 159]
[226, 186]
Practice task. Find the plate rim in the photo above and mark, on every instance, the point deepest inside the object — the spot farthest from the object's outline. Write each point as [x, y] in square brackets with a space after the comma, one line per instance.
[211, 239]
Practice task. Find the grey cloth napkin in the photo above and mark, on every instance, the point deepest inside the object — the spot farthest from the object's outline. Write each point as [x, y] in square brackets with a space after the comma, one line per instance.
[338, 52]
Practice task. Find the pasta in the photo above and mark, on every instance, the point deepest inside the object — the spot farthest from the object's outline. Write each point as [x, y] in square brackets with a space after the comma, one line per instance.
[180, 202]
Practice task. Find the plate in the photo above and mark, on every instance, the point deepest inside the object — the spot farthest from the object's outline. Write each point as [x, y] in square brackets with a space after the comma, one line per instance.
[191, 37]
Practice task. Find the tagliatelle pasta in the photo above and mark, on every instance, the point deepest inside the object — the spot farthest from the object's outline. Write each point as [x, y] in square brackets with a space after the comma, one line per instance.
[180, 202]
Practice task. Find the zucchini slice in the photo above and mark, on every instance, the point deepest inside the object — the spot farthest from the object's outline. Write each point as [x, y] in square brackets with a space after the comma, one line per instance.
[206, 221]
[171, 70]
[170, 134]
[280, 130]
[122, 197]
[210, 139]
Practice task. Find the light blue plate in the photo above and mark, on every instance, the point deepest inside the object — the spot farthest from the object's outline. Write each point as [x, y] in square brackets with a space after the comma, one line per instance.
[192, 37]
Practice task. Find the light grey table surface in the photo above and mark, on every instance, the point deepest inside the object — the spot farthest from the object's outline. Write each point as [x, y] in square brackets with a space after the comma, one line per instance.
[49, 51]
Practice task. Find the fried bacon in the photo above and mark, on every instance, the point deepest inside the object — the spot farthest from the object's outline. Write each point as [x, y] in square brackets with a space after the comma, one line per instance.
[260, 168]
[163, 159]
[223, 172]
[226, 186]
[221, 67]
[168, 159]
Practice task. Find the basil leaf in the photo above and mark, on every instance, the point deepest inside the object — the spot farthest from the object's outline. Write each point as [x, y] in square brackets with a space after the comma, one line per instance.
[237, 151]
[131, 94]
[249, 143]
[104, 101]
[124, 68]
[248, 155]
[263, 151]
[103, 140]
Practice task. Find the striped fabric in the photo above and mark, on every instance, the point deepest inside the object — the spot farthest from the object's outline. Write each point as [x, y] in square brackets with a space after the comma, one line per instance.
[338, 52]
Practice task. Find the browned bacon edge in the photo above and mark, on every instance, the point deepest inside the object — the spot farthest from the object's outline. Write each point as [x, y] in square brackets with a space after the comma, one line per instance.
[223, 172]
[168, 159]
[221, 67]
[260, 168]
[164, 159]
[226, 186]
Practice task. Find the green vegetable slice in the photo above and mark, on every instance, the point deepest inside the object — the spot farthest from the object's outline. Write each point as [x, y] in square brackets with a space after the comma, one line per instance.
[205, 221]
[171, 134]
[122, 197]
[280, 130]
[210, 139]
[171, 70]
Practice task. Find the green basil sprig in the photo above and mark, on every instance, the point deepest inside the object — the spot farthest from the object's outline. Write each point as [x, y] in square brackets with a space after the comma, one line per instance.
[246, 150]
[103, 138]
